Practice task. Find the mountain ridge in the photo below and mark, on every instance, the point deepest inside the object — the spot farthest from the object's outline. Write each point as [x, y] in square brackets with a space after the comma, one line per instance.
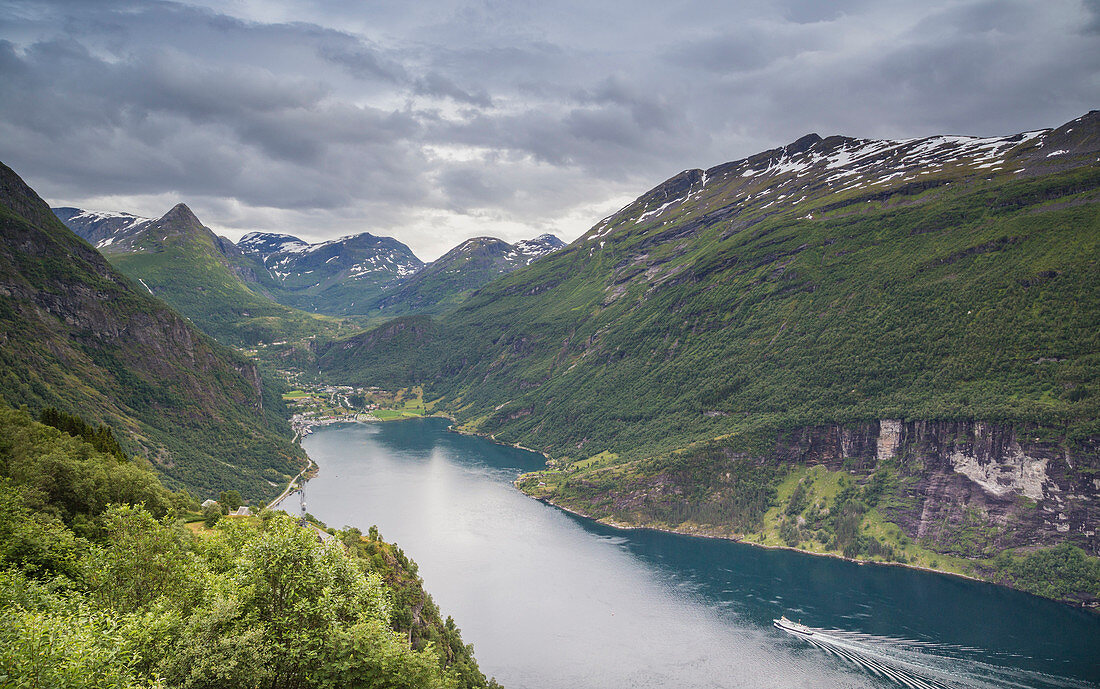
[82, 337]
[359, 274]
[447, 281]
[203, 276]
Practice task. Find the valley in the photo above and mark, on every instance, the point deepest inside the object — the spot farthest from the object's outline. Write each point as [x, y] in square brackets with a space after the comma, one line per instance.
[916, 319]
[314, 405]
[905, 375]
[668, 345]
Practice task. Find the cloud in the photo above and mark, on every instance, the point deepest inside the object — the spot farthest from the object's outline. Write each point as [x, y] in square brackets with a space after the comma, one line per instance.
[433, 121]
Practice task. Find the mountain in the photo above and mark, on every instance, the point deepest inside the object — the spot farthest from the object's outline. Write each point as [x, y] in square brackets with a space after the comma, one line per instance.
[355, 275]
[367, 275]
[102, 229]
[339, 277]
[449, 280]
[922, 311]
[530, 250]
[78, 335]
[203, 276]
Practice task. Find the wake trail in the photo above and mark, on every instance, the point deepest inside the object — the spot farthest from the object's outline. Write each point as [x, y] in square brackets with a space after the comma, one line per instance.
[927, 665]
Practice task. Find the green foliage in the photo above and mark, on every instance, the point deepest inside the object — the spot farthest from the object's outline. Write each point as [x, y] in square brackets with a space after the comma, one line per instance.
[138, 601]
[230, 499]
[370, 655]
[413, 613]
[799, 500]
[1063, 572]
[101, 438]
[210, 515]
[67, 477]
[67, 644]
[140, 561]
[35, 543]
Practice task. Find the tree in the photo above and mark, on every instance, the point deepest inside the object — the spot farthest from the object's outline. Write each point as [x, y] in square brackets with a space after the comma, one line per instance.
[211, 514]
[142, 559]
[231, 499]
[299, 591]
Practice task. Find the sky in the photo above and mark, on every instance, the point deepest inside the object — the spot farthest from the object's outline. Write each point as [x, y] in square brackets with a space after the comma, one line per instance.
[438, 120]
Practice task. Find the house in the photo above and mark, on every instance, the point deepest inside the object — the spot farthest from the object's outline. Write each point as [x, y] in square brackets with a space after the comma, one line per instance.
[241, 511]
[209, 502]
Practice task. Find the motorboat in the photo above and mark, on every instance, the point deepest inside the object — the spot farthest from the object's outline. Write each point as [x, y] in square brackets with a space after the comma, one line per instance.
[793, 627]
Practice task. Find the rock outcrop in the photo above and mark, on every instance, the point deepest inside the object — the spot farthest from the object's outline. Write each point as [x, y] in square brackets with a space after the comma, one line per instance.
[1011, 487]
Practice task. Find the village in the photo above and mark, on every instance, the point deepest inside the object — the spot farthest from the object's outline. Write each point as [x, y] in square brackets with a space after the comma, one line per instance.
[312, 405]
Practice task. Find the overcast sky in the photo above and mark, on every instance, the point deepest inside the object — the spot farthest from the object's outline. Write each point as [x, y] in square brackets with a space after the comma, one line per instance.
[437, 120]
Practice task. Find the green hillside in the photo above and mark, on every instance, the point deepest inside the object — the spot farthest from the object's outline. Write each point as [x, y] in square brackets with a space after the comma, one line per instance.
[971, 296]
[450, 279]
[180, 261]
[920, 319]
[79, 336]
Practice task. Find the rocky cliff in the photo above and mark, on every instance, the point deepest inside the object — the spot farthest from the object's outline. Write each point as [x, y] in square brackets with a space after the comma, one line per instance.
[982, 499]
[1031, 491]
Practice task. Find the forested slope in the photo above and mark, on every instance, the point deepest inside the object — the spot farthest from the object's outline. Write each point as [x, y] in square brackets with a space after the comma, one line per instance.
[207, 279]
[78, 335]
[722, 298]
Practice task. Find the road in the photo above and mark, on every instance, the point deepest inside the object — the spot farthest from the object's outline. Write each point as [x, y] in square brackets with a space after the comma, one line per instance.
[290, 487]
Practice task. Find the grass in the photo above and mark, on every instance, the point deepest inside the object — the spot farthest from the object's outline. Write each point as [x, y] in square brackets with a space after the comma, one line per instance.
[601, 459]
[396, 414]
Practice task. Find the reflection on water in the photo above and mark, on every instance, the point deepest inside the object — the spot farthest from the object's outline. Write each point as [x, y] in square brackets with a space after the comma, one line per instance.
[552, 600]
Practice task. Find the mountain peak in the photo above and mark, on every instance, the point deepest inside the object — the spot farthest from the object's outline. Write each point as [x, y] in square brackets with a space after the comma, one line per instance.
[802, 144]
[180, 214]
[548, 238]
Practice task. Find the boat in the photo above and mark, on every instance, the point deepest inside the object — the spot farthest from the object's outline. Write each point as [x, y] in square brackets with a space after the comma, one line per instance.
[796, 628]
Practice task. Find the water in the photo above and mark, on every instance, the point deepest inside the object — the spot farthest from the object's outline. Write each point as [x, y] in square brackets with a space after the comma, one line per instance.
[553, 600]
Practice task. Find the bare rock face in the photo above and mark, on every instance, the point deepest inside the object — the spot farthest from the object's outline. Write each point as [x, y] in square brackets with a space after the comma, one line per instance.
[969, 487]
[889, 438]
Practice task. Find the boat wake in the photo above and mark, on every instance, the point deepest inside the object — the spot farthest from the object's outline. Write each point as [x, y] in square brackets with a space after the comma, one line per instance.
[922, 664]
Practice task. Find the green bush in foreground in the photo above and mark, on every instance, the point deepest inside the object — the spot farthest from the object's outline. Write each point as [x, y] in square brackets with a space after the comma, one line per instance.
[101, 586]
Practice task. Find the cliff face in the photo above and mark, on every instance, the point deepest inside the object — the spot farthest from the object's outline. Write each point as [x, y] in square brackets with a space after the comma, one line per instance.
[1015, 487]
[1004, 503]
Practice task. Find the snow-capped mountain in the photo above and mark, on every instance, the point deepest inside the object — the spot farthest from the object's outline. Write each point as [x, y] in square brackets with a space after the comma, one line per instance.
[530, 250]
[448, 280]
[265, 244]
[848, 171]
[299, 264]
[102, 229]
[357, 274]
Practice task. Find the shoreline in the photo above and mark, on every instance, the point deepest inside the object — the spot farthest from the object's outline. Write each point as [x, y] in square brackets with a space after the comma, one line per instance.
[733, 539]
[632, 527]
[292, 485]
[305, 428]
